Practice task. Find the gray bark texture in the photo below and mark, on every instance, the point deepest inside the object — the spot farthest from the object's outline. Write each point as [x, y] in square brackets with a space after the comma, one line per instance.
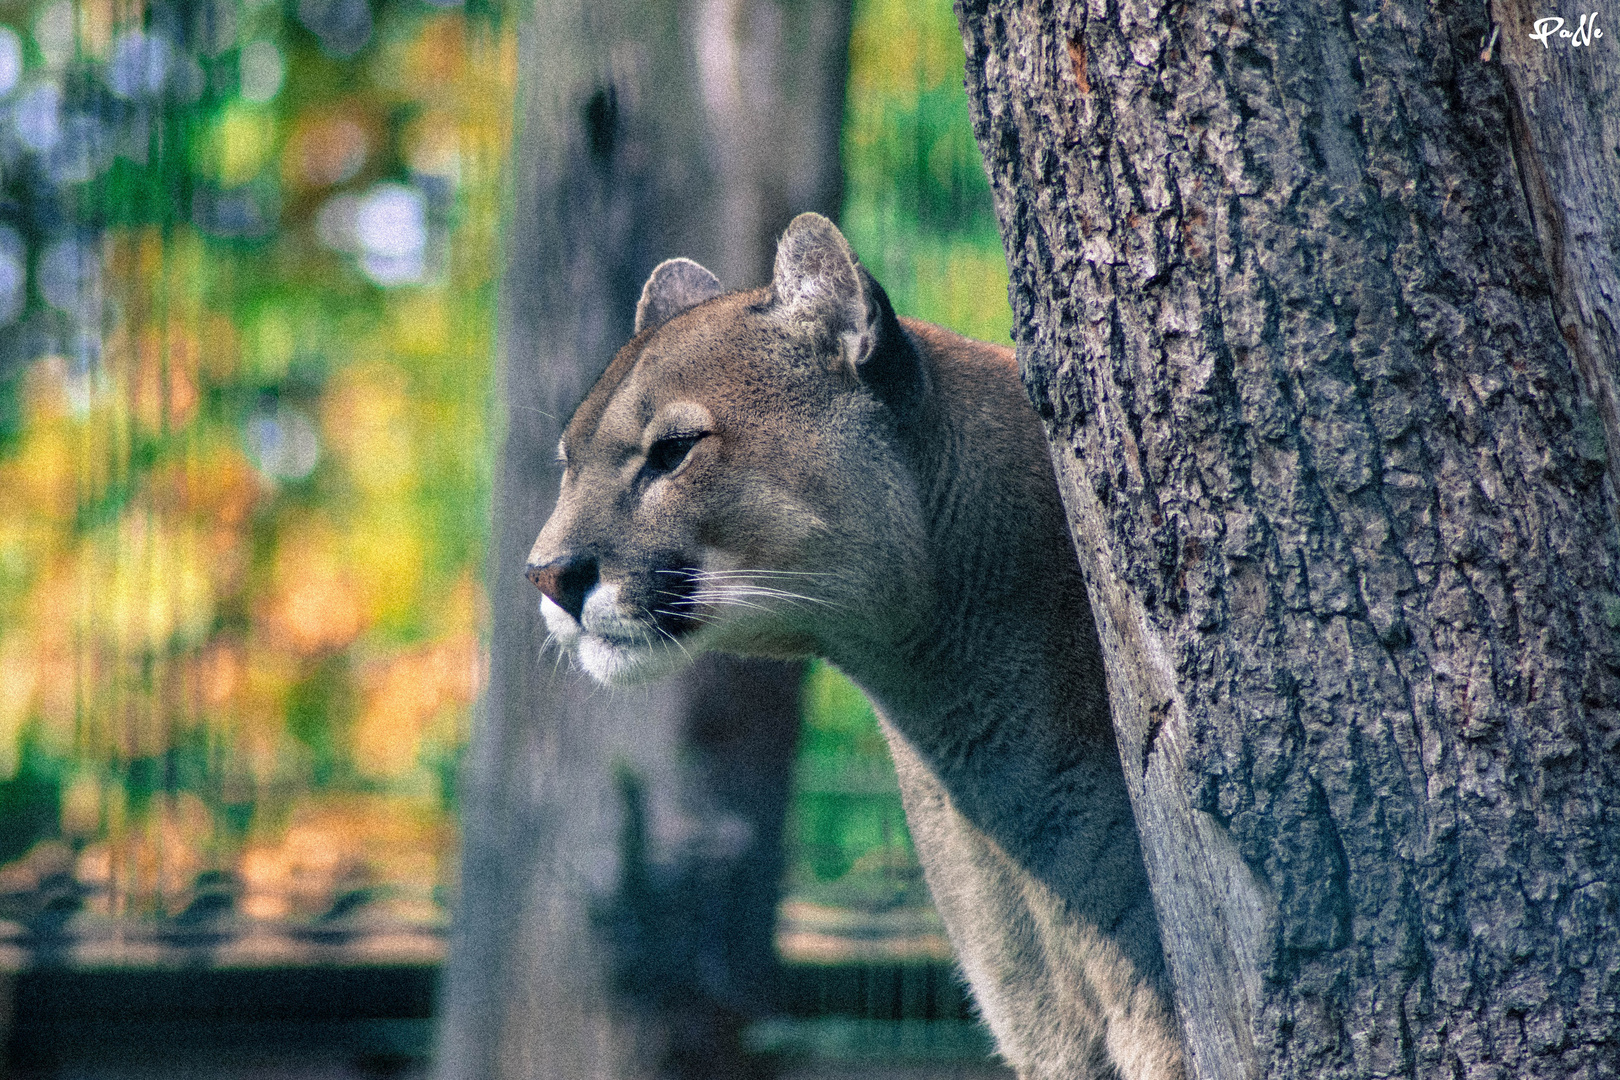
[621, 851]
[1319, 304]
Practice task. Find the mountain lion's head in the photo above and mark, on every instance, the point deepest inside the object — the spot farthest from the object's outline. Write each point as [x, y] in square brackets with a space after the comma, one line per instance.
[735, 480]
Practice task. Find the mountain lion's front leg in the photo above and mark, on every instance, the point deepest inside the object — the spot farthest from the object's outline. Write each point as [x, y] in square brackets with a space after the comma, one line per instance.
[1062, 1001]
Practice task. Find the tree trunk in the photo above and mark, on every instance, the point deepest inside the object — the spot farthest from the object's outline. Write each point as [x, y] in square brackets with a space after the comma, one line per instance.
[621, 852]
[1319, 306]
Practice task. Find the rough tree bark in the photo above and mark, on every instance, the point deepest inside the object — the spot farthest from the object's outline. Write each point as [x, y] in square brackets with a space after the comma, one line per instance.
[621, 852]
[1319, 304]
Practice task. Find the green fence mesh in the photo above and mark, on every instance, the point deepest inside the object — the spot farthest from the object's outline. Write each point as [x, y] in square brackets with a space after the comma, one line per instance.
[246, 297]
[246, 353]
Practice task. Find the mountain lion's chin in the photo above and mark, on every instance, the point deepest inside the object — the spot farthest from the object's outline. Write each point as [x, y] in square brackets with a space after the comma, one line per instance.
[622, 663]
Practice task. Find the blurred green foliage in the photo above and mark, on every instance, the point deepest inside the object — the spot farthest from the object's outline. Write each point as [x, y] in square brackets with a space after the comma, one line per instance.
[917, 203]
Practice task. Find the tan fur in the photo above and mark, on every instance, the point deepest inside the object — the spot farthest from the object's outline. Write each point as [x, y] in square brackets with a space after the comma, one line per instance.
[793, 471]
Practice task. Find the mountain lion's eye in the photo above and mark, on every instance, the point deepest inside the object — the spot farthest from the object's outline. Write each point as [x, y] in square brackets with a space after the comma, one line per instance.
[667, 453]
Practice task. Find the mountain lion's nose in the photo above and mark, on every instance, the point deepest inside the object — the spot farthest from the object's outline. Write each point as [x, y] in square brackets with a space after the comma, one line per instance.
[566, 581]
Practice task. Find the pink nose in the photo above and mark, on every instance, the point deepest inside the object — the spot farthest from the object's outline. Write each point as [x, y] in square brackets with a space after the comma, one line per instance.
[566, 581]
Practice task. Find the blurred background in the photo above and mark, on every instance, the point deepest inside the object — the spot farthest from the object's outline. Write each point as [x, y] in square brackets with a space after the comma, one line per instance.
[250, 431]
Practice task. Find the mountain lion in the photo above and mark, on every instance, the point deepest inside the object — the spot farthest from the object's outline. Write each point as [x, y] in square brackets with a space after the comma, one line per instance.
[793, 471]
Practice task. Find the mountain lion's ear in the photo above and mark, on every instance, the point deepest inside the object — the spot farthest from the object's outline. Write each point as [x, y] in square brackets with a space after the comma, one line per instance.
[675, 285]
[817, 283]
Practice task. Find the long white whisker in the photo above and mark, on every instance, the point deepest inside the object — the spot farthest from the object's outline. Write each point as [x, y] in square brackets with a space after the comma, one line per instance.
[732, 586]
[694, 616]
[710, 599]
[749, 577]
[530, 408]
[676, 640]
[757, 572]
[591, 685]
[557, 651]
[732, 592]
[701, 575]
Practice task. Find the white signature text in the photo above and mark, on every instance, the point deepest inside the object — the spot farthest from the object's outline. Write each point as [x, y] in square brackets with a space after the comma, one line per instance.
[1585, 32]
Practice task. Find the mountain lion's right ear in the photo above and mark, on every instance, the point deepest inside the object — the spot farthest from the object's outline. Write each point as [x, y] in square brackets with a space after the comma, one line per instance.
[675, 285]
[818, 284]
